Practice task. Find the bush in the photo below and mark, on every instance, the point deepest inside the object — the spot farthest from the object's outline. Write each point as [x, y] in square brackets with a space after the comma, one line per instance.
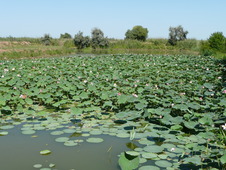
[98, 39]
[189, 44]
[205, 48]
[46, 40]
[65, 36]
[177, 34]
[216, 44]
[217, 41]
[81, 41]
[68, 44]
[137, 33]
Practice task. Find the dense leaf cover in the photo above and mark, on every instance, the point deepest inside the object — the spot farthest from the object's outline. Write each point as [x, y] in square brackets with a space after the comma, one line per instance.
[182, 93]
[171, 89]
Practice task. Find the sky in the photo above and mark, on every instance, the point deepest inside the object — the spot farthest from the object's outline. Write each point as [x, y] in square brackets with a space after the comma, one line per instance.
[34, 18]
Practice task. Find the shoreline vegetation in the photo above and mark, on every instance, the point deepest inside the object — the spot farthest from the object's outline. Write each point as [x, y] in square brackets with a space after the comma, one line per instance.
[21, 48]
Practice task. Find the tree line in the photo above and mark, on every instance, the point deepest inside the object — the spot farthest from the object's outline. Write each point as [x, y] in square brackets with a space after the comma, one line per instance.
[215, 43]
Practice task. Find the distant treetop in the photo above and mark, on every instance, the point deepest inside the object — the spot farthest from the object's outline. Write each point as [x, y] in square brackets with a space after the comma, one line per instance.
[177, 34]
[137, 33]
[65, 35]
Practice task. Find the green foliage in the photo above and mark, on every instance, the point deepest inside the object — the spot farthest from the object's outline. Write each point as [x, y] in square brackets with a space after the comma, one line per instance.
[69, 44]
[205, 48]
[188, 44]
[81, 41]
[177, 34]
[215, 45]
[171, 91]
[217, 41]
[46, 40]
[65, 36]
[127, 44]
[137, 33]
[98, 40]
[128, 162]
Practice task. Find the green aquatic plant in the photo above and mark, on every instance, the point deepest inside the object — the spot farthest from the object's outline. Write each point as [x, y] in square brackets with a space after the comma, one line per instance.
[181, 99]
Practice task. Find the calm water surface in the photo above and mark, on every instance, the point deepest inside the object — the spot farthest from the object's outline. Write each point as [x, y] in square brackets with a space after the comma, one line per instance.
[21, 152]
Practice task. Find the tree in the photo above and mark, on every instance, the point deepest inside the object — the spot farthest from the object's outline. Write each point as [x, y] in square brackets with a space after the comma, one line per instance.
[217, 41]
[98, 39]
[137, 33]
[81, 41]
[46, 40]
[177, 34]
[65, 35]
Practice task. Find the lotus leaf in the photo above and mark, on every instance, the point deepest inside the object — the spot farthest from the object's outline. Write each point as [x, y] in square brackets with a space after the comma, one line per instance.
[94, 140]
[45, 152]
[149, 167]
[128, 162]
[163, 164]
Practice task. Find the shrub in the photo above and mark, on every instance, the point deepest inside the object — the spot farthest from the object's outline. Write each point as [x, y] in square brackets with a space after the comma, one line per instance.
[205, 48]
[65, 36]
[217, 41]
[81, 41]
[137, 33]
[189, 44]
[98, 39]
[177, 34]
[68, 44]
[216, 44]
[46, 40]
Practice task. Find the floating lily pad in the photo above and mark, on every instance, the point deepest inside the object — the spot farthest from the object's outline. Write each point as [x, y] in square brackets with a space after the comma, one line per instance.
[57, 133]
[62, 139]
[142, 160]
[3, 133]
[144, 141]
[149, 155]
[133, 153]
[95, 132]
[69, 130]
[37, 166]
[52, 165]
[6, 127]
[85, 134]
[163, 164]
[147, 167]
[28, 132]
[153, 149]
[123, 135]
[162, 156]
[94, 140]
[70, 143]
[45, 152]
[168, 145]
[39, 128]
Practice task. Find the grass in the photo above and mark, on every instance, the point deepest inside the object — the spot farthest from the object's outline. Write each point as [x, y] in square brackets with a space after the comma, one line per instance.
[17, 48]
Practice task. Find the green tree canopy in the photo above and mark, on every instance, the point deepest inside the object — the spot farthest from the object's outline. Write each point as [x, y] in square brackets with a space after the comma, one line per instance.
[65, 35]
[177, 34]
[81, 41]
[46, 39]
[98, 39]
[137, 33]
[217, 41]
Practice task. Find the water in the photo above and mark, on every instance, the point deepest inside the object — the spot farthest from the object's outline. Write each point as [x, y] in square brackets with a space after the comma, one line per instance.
[21, 152]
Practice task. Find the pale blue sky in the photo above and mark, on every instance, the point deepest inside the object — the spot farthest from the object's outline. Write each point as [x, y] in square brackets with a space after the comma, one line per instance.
[34, 18]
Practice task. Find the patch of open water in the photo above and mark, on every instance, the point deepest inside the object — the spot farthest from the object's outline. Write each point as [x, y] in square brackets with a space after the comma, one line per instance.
[22, 152]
